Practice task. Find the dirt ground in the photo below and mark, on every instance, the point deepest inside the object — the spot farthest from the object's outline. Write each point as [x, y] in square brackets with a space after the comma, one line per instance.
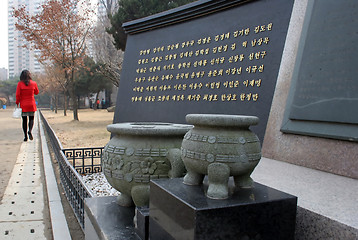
[89, 131]
[11, 137]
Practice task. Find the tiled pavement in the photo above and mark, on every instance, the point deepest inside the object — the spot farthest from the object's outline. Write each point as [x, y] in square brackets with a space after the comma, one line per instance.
[28, 210]
[23, 203]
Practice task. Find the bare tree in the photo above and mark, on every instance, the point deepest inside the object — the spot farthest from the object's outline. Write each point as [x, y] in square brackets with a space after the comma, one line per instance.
[53, 83]
[60, 31]
[105, 54]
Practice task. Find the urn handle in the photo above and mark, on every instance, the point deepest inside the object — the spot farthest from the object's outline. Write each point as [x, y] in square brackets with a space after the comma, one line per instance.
[177, 165]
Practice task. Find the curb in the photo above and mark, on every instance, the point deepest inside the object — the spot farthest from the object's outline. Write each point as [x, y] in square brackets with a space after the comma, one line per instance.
[59, 224]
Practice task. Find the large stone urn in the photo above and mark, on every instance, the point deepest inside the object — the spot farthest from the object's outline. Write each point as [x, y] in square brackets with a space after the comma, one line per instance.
[220, 146]
[139, 152]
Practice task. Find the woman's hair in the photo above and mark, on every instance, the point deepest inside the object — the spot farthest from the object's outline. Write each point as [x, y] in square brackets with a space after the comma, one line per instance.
[25, 77]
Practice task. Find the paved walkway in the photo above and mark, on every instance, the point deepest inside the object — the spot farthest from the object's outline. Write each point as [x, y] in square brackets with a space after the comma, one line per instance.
[28, 210]
[23, 203]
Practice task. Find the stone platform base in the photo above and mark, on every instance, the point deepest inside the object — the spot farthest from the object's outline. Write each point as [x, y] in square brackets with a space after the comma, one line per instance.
[327, 203]
[178, 211]
[105, 219]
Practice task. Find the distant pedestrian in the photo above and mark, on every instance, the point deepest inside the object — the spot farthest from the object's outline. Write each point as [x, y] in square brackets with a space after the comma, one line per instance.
[25, 91]
[103, 103]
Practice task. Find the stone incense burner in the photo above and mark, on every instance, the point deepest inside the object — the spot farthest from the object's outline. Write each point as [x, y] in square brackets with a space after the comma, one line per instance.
[139, 152]
[220, 146]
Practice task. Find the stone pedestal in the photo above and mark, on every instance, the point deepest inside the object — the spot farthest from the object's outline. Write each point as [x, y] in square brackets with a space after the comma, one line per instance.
[142, 222]
[178, 211]
[105, 219]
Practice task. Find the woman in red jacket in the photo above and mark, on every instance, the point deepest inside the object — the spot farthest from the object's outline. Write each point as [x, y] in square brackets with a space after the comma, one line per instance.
[26, 89]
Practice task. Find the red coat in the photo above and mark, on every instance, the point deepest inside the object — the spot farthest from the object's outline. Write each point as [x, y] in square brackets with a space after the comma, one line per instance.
[25, 96]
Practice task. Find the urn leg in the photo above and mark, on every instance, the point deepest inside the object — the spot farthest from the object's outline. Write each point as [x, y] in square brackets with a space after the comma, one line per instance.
[177, 164]
[193, 178]
[124, 200]
[140, 195]
[218, 175]
[243, 181]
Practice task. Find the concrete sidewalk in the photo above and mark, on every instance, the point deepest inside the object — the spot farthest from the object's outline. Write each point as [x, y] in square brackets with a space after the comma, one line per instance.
[22, 209]
[28, 210]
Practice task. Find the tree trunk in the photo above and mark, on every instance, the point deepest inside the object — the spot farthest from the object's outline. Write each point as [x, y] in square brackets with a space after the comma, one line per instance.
[74, 105]
[52, 99]
[64, 104]
[56, 102]
[74, 97]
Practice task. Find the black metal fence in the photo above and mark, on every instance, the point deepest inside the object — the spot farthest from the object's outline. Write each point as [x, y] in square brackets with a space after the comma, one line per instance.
[72, 163]
[85, 160]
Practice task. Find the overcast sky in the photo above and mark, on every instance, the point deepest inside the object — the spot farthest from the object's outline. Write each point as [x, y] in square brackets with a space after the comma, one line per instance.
[3, 34]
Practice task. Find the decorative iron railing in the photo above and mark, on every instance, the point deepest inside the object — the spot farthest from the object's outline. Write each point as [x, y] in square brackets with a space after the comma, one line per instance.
[85, 160]
[72, 163]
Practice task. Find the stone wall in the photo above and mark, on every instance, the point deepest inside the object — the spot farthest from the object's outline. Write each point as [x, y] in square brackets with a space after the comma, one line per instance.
[334, 156]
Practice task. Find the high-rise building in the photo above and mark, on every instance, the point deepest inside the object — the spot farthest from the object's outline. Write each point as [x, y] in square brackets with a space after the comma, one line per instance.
[105, 7]
[21, 58]
[3, 74]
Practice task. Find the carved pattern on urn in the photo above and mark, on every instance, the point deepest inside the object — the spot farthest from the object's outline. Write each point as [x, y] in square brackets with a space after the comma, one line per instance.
[139, 152]
[220, 146]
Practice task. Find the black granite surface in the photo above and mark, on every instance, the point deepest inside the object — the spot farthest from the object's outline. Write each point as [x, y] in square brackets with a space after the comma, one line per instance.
[110, 220]
[155, 85]
[178, 211]
[323, 90]
[142, 222]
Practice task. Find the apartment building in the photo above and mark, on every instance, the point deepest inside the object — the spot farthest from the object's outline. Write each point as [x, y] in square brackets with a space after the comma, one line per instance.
[21, 58]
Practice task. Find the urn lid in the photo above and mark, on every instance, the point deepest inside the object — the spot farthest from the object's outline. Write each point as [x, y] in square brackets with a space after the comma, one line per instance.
[222, 120]
[149, 128]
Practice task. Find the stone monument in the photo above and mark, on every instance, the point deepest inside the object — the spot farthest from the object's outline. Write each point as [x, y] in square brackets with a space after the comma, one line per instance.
[324, 91]
[207, 57]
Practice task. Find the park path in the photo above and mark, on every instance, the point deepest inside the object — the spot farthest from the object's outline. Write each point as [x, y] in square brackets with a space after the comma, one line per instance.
[11, 138]
[30, 206]
[23, 210]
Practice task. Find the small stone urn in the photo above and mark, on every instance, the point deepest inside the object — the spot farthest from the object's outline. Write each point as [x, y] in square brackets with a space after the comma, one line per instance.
[220, 146]
[139, 152]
